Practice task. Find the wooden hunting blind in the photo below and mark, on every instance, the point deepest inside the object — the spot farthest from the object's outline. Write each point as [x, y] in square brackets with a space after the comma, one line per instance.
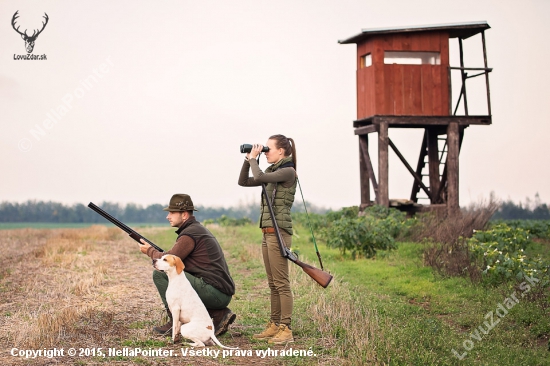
[404, 81]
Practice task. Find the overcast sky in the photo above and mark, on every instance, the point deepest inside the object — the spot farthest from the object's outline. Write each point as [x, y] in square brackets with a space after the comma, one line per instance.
[138, 100]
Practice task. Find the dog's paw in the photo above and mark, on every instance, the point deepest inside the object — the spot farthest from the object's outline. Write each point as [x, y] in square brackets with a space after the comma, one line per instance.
[176, 339]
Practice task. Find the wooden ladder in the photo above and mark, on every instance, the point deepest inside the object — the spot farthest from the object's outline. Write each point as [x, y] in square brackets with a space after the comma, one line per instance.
[440, 195]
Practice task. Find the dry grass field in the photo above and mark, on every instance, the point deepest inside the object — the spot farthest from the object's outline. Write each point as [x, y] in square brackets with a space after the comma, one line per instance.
[90, 288]
[84, 288]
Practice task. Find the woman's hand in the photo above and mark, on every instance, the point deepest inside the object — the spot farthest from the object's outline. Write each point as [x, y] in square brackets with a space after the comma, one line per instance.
[256, 150]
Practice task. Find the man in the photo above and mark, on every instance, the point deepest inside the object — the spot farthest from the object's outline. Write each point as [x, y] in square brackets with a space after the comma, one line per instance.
[205, 265]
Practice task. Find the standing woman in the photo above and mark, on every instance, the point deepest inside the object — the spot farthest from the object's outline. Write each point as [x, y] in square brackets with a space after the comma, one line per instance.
[280, 179]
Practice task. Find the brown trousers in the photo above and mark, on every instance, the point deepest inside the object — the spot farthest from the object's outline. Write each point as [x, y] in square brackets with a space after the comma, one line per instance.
[276, 267]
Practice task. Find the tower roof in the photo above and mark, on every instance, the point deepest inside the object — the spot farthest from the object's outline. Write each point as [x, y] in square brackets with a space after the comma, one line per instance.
[462, 30]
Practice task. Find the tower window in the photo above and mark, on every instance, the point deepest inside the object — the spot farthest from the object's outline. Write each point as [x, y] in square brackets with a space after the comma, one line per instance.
[411, 58]
[366, 60]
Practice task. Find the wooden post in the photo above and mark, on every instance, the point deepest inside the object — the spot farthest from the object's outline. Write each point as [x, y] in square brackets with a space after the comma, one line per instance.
[464, 75]
[452, 169]
[486, 74]
[363, 171]
[383, 194]
[433, 164]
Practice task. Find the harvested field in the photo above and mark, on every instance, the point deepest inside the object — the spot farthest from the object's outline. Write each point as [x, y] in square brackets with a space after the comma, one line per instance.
[90, 288]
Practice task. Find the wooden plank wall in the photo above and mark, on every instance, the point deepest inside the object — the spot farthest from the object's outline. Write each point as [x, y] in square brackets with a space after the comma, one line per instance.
[365, 82]
[418, 90]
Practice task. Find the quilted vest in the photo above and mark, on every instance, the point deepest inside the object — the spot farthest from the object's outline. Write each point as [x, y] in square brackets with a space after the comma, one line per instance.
[215, 271]
[282, 201]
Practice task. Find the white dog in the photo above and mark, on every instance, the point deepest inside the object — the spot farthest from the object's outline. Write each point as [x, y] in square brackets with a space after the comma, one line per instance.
[190, 317]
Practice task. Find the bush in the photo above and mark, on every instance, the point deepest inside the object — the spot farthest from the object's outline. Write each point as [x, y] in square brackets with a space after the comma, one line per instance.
[536, 228]
[449, 229]
[500, 254]
[319, 222]
[447, 251]
[229, 221]
[363, 235]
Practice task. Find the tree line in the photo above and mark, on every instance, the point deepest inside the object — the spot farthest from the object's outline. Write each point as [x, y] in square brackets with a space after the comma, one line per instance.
[55, 212]
[531, 209]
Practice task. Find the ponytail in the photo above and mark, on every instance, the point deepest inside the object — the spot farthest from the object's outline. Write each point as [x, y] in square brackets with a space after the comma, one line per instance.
[293, 149]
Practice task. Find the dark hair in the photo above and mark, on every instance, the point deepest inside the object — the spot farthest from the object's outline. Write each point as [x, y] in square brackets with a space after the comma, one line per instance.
[287, 144]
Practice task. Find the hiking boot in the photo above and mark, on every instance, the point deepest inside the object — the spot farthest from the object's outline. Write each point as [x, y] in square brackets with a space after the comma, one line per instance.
[165, 329]
[283, 336]
[271, 330]
[221, 318]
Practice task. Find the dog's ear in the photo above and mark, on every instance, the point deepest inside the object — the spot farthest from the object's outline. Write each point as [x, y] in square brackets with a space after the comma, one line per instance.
[179, 265]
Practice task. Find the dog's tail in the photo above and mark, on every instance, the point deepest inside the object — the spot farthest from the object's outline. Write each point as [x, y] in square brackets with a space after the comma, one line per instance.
[221, 345]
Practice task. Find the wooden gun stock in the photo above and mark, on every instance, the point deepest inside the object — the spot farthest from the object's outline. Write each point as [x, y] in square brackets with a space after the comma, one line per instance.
[321, 277]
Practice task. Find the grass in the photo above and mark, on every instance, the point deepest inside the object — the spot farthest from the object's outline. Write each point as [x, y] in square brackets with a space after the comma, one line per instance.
[430, 316]
[92, 288]
[65, 225]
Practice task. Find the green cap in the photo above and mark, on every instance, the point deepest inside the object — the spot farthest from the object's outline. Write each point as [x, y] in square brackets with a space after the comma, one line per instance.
[180, 202]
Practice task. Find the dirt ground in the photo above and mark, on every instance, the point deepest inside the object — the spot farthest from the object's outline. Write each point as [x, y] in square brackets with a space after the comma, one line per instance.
[85, 289]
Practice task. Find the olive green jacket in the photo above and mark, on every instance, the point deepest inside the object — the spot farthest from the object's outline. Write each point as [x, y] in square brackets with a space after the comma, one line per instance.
[283, 181]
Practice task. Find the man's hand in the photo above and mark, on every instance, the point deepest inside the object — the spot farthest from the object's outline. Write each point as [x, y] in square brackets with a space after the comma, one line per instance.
[144, 246]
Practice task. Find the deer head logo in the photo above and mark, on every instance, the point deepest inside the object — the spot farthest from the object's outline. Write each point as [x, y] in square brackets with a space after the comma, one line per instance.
[29, 40]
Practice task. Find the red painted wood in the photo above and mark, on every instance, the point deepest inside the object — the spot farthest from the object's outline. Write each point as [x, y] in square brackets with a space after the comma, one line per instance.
[403, 89]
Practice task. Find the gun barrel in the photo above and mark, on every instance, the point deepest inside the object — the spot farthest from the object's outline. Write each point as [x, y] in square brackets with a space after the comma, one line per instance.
[284, 250]
[132, 233]
[110, 218]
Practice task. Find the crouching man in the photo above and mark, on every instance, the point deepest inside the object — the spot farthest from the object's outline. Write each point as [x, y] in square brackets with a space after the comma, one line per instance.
[205, 265]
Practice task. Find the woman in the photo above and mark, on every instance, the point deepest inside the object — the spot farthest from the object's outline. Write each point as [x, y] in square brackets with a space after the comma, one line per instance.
[280, 179]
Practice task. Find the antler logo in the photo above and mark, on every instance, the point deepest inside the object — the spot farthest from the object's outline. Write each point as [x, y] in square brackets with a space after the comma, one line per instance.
[29, 40]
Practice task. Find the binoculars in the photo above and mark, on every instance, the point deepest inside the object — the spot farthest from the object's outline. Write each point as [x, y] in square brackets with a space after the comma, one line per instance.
[246, 148]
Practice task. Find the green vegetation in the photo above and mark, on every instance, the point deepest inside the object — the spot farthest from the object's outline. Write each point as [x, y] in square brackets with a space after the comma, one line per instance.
[537, 228]
[376, 229]
[228, 221]
[391, 308]
[500, 253]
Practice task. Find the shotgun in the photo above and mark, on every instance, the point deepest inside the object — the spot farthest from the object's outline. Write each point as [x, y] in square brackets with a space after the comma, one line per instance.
[321, 277]
[133, 234]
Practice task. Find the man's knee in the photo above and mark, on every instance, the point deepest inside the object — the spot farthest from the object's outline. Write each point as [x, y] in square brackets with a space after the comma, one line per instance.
[159, 277]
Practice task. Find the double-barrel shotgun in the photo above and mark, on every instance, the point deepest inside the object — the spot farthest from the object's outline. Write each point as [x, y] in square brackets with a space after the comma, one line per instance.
[321, 277]
[133, 234]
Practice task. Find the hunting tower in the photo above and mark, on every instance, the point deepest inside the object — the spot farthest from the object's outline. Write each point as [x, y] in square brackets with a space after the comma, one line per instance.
[404, 81]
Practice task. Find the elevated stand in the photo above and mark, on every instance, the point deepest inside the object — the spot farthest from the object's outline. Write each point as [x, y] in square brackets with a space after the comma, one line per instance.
[438, 160]
[404, 80]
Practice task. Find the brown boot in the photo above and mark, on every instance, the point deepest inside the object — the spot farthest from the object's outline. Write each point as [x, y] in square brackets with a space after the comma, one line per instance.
[221, 318]
[165, 329]
[270, 330]
[283, 336]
